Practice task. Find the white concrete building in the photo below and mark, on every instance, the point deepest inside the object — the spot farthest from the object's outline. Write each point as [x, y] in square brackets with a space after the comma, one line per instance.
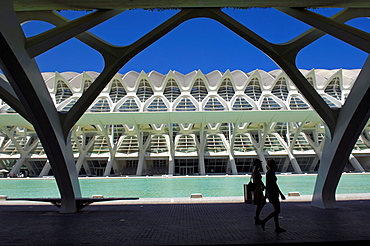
[193, 124]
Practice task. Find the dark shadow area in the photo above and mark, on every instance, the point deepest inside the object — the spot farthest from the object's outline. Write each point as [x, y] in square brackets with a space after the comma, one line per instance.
[181, 224]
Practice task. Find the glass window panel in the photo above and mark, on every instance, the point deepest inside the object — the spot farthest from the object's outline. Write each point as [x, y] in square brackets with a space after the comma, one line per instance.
[199, 90]
[185, 105]
[214, 144]
[172, 91]
[280, 89]
[186, 144]
[144, 91]
[241, 104]
[63, 92]
[253, 89]
[213, 104]
[297, 103]
[158, 144]
[129, 145]
[269, 103]
[129, 105]
[117, 92]
[157, 105]
[333, 88]
[226, 90]
[102, 105]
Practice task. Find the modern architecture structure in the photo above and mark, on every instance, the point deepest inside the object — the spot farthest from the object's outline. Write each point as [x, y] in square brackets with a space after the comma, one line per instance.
[27, 94]
[193, 124]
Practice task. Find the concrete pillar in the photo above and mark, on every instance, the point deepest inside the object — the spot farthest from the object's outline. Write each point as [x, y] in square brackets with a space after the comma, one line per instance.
[46, 169]
[25, 78]
[201, 147]
[110, 163]
[352, 119]
[17, 166]
[142, 148]
[356, 165]
[291, 157]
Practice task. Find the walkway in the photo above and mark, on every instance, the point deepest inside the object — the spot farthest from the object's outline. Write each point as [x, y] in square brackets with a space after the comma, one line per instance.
[113, 223]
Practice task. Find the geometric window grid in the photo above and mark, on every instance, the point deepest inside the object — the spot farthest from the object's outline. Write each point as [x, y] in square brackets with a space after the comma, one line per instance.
[186, 144]
[360, 145]
[280, 89]
[333, 89]
[158, 144]
[301, 144]
[10, 110]
[241, 104]
[11, 148]
[157, 105]
[171, 91]
[129, 105]
[214, 144]
[199, 90]
[63, 92]
[226, 90]
[253, 89]
[144, 91]
[69, 105]
[87, 84]
[117, 92]
[129, 145]
[268, 103]
[329, 102]
[272, 144]
[213, 104]
[242, 143]
[38, 150]
[100, 145]
[296, 103]
[101, 106]
[310, 80]
[185, 105]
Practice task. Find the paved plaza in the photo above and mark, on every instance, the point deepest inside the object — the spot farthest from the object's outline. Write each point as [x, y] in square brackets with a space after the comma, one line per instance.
[115, 223]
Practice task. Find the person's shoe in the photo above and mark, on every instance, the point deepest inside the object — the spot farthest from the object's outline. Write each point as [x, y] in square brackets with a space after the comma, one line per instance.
[280, 230]
[263, 223]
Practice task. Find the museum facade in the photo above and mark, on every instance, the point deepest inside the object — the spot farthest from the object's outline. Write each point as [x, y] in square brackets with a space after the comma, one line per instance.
[193, 124]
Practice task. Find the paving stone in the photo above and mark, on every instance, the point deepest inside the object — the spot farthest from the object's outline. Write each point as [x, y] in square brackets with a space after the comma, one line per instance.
[182, 224]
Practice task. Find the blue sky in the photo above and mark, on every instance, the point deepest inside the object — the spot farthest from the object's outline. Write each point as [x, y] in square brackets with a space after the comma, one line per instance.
[199, 43]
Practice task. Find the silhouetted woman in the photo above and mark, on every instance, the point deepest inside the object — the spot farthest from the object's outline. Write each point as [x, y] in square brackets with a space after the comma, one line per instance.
[272, 193]
[258, 198]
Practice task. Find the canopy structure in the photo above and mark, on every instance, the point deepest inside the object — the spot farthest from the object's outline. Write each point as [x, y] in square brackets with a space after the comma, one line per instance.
[28, 95]
[25, 5]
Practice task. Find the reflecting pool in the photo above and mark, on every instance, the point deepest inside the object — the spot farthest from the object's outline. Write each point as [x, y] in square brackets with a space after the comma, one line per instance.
[162, 187]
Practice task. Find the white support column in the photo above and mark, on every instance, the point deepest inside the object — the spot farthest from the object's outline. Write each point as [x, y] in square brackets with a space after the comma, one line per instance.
[352, 119]
[110, 164]
[356, 165]
[24, 76]
[259, 150]
[142, 148]
[111, 159]
[82, 150]
[291, 157]
[201, 147]
[17, 166]
[171, 151]
[46, 169]
[231, 162]
[314, 164]
[286, 164]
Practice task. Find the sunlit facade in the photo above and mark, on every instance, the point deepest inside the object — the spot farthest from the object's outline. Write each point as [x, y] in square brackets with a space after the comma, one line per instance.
[193, 124]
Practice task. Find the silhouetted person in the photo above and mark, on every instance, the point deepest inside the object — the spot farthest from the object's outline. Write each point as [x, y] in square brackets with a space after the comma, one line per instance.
[258, 198]
[272, 193]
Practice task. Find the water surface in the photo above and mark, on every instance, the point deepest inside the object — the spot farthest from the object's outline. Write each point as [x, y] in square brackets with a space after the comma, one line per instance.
[162, 187]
